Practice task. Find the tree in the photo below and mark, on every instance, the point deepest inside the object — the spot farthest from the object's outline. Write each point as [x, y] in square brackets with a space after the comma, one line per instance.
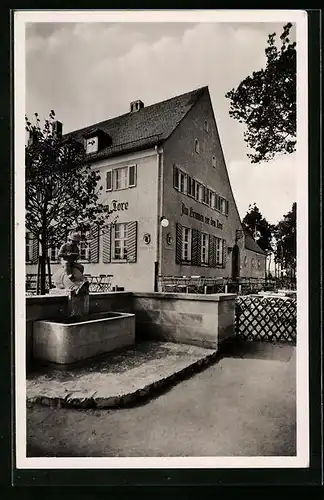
[62, 190]
[266, 101]
[259, 227]
[285, 236]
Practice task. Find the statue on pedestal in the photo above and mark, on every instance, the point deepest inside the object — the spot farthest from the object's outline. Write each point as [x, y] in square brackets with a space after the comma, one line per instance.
[70, 276]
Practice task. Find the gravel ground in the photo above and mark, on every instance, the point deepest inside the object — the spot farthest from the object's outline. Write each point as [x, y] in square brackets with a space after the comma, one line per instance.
[243, 405]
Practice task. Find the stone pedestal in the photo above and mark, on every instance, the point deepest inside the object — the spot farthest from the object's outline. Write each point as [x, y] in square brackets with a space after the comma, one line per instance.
[78, 305]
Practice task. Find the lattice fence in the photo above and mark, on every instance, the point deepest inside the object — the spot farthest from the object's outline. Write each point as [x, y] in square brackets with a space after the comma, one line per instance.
[266, 318]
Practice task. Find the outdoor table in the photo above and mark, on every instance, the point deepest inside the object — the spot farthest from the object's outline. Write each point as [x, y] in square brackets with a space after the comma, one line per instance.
[100, 283]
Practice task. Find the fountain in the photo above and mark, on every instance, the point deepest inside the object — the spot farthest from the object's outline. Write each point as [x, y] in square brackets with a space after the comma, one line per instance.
[80, 335]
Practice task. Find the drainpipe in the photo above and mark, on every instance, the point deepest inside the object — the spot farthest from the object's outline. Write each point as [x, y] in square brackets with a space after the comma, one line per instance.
[157, 267]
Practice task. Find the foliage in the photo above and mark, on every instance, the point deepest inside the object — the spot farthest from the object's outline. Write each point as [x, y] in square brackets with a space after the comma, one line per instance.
[61, 188]
[259, 228]
[285, 235]
[266, 101]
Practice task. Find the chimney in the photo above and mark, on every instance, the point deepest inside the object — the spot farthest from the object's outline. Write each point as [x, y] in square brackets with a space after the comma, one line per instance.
[57, 128]
[136, 106]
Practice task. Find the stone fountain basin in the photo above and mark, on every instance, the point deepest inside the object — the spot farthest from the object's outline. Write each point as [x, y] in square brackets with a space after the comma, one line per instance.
[74, 339]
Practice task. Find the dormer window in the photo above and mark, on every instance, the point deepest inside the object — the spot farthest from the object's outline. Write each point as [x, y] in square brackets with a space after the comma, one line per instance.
[197, 149]
[96, 139]
[92, 144]
[214, 161]
[206, 126]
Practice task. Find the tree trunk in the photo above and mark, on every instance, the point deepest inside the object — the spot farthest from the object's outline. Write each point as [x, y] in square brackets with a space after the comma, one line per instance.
[42, 266]
[42, 274]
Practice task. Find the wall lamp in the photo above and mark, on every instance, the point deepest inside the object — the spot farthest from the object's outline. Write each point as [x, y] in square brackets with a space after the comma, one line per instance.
[164, 221]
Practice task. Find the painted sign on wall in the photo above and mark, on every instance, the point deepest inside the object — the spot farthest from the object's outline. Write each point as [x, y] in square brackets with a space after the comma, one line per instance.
[190, 212]
[117, 206]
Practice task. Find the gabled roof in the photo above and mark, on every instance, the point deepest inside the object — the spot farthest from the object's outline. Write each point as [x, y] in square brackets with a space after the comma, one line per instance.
[251, 244]
[141, 129]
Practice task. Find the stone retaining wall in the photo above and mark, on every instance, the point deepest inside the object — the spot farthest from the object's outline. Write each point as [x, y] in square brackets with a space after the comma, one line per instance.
[202, 320]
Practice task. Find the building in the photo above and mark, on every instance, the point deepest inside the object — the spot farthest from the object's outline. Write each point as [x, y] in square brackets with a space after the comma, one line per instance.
[172, 210]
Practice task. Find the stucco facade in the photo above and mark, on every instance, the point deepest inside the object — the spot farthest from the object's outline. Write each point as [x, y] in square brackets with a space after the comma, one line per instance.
[178, 207]
[182, 178]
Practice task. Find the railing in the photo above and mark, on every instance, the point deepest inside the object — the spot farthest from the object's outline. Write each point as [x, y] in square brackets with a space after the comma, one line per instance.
[100, 283]
[241, 286]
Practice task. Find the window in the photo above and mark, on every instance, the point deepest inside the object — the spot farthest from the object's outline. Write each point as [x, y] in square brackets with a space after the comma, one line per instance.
[214, 161]
[197, 149]
[191, 186]
[222, 205]
[109, 180]
[120, 241]
[198, 191]
[182, 182]
[213, 200]
[92, 145]
[206, 126]
[253, 262]
[121, 178]
[204, 248]
[29, 247]
[53, 254]
[259, 263]
[217, 203]
[84, 250]
[219, 253]
[205, 195]
[245, 261]
[186, 244]
[179, 180]
[132, 176]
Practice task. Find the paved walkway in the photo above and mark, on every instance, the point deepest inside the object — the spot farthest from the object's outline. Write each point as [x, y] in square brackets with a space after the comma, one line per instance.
[241, 405]
[120, 379]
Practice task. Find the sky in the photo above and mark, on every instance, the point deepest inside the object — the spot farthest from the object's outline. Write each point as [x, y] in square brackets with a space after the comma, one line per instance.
[88, 72]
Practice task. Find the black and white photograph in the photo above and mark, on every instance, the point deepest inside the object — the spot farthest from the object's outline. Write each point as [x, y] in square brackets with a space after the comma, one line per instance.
[161, 249]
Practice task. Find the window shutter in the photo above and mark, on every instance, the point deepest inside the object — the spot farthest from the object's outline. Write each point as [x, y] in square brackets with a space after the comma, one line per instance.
[94, 244]
[196, 248]
[224, 250]
[226, 207]
[132, 176]
[203, 189]
[109, 180]
[132, 241]
[212, 251]
[175, 177]
[35, 251]
[178, 243]
[106, 244]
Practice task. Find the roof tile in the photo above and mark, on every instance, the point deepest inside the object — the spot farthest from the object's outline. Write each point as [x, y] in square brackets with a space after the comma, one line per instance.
[144, 128]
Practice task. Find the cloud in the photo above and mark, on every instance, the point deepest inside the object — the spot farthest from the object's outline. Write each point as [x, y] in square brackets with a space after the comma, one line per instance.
[88, 72]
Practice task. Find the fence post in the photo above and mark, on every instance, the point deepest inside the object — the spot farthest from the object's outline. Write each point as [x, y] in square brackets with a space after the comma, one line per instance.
[226, 288]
